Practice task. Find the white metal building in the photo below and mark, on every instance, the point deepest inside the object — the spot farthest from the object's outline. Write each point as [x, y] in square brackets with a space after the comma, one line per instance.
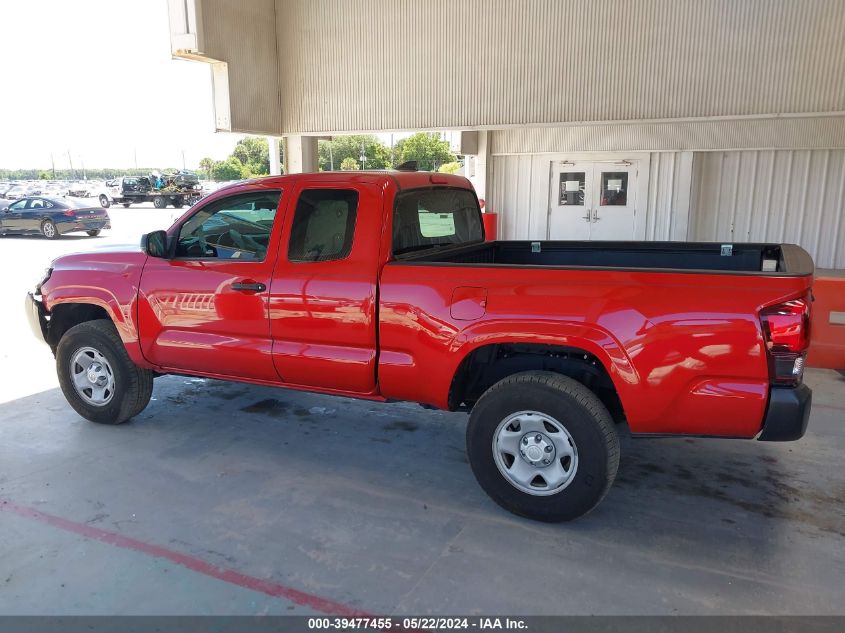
[585, 119]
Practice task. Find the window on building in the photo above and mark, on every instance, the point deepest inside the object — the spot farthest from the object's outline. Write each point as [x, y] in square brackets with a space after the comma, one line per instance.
[614, 188]
[572, 188]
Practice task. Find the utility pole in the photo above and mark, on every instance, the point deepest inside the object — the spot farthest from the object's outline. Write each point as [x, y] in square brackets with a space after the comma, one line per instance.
[331, 157]
[84, 175]
[363, 158]
[136, 157]
[183, 161]
[53, 163]
[70, 160]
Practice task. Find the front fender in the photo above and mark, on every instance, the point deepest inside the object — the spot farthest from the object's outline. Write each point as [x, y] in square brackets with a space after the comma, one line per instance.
[109, 281]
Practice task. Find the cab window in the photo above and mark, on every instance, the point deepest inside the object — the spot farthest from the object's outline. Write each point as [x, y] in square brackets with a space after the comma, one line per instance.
[234, 227]
[323, 225]
[425, 218]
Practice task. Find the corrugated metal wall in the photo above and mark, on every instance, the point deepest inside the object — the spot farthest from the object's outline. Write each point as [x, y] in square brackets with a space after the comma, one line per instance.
[773, 196]
[386, 64]
[779, 133]
[243, 35]
[520, 195]
[668, 206]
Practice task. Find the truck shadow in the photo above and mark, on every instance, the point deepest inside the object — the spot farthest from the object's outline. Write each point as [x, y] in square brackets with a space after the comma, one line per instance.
[278, 447]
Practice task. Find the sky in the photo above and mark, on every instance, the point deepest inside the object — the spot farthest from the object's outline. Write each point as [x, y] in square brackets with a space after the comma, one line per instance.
[95, 78]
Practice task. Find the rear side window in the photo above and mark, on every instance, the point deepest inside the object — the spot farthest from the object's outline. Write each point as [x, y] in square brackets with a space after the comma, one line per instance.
[435, 217]
[323, 225]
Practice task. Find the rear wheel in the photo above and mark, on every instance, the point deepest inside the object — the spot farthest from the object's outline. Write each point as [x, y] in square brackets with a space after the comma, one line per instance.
[159, 202]
[49, 230]
[126, 204]
[104, 201]
[177, 202]
[97, 377]
[94, 233]
[543, 446]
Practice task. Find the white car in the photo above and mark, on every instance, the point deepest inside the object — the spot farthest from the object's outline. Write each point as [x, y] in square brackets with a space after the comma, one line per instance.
[18, 191]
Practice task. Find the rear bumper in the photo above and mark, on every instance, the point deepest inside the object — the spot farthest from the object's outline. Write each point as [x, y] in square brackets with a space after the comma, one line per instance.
[787, 414]
[82, 225]
[37, 317]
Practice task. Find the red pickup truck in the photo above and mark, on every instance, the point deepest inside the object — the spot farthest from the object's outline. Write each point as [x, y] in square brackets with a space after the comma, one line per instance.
[380, 285]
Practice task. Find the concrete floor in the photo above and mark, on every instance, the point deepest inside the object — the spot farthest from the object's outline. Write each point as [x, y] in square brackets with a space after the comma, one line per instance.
[223, 498]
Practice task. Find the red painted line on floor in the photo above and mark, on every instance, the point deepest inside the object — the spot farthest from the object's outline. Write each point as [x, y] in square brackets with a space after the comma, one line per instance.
[198, 565]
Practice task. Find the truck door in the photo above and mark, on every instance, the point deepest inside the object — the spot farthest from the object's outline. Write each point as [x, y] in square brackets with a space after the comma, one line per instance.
[323, 295]
[205, 309]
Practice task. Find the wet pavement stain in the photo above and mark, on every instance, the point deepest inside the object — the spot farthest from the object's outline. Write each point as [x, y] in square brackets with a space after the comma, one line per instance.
[401, 425]
[269, 406]
[759, 488]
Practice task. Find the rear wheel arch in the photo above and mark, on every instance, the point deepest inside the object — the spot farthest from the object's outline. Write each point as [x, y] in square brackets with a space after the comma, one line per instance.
[486, 365]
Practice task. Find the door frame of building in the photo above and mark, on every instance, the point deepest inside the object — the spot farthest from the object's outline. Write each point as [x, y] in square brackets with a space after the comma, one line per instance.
[642, 162]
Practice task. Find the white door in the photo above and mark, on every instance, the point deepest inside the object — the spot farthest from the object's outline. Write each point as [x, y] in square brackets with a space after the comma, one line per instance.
[569, 217]
[593, 201]
[612, 205]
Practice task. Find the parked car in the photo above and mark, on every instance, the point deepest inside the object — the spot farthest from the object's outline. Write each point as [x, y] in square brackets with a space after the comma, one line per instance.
[381, 286]
[18, 191]
[52, 217]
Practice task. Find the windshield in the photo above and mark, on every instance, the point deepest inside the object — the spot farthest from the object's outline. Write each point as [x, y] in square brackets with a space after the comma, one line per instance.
[426, 218]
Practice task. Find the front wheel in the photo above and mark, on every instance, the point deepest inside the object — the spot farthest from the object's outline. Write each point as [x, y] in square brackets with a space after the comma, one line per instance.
[159, 202]
[97, 377]
[104, 201]
[543, 446]
[49, 230]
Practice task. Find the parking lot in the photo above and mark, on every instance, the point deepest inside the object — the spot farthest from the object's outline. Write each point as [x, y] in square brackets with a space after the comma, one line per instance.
[225, 498]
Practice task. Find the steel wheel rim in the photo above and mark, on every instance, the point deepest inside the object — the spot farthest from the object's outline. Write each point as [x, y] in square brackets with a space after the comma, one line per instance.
[49, 229]
[92, 376]
[535, 453]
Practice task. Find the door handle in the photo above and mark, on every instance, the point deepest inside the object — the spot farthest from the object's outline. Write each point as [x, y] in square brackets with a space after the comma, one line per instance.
[596, 217]
[587, 217]
[243, 286]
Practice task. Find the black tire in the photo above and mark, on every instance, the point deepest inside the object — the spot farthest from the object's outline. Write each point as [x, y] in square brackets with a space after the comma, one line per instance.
[104, 201]
[584, 417]
[49, 230]
[126, 204]
[93, 233]
[177, 203]
[159, 202]
[133, 385]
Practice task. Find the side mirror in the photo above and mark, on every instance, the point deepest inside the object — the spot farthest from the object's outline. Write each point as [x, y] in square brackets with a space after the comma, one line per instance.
[155, 244]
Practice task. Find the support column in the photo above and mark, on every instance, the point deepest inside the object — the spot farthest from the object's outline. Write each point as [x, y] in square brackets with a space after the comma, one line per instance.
[275, 162]
[301, 154]
[475, 146]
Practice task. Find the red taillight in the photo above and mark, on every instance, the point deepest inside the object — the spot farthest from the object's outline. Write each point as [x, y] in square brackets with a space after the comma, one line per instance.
[70, 213]
[786, 327]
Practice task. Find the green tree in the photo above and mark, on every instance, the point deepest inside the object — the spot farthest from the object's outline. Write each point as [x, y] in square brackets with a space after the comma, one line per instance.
[333, 153]
[229, 169]
[427, 148]
[254, 153]
[449, 168]
[349, 164]
[206, 165]
[43, 176]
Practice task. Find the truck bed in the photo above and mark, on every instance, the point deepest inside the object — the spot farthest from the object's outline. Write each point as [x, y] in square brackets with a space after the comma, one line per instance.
[745, 258]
